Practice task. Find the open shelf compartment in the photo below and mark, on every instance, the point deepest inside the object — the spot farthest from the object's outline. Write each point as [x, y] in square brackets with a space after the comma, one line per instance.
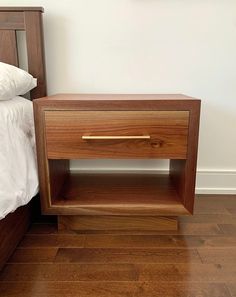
[115, 194]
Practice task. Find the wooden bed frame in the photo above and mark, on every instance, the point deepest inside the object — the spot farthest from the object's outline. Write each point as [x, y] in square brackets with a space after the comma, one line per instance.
[28, 19]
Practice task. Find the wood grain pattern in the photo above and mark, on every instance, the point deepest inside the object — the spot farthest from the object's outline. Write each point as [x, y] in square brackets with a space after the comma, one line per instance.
[49, 263]
[59, 172]
[8, 52]
[114, 97]
[229, 229]
[126, 102]
[210, 218]
[185, 229]
[168, 132]
[218, 256]
[181, 272]
[114, 289]
[12, 19]
[118, 194]
[43, 165]
[128, 255]
[150, 289]
[39, 243]
[28, 19]
[44, 228]
[232, 289]
[116, 223]
[69, 272]
[184, 272]
[34, 255]
[160, 241]
[213, 205]
[11, 230]
[35, 51]
[56, 115]
[21, 8]
[53, 240]
[69, 289]
[183, 173]
[196, 229]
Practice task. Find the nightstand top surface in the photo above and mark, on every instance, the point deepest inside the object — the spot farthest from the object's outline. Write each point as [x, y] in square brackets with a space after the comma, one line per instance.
[118, 97]
[21, 8]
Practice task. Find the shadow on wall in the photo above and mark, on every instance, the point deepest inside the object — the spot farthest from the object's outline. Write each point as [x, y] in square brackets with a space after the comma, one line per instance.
[217, 134]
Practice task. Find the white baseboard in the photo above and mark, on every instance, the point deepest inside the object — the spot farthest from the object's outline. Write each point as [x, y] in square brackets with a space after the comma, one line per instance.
[208, 181]
[216, 182]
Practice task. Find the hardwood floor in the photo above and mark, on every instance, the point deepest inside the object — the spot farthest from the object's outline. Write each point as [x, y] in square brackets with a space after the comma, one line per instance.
[199, 260]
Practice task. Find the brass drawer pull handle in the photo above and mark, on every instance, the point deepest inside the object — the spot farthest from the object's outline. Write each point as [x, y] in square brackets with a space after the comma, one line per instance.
[108, 137]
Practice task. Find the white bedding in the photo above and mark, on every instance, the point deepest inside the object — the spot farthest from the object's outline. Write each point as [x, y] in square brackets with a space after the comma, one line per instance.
[18, 167]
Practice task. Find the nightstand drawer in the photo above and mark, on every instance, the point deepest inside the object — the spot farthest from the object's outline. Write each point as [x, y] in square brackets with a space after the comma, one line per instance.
[116, 134]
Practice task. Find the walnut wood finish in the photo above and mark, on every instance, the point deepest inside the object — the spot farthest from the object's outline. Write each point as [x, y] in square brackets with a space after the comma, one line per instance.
[13, 20]
[116, 289]
[35, 50]
[117, 223]
[11, 230]
[118, 194]
[122, 97]
[167, 130]
[193, 261]
[65, 118]
[28, 19]
[59, 171]
[183, 172]
[8, 52]
[21, 8]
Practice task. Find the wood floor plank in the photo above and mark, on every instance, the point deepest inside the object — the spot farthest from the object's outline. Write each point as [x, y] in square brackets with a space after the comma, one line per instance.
[196, 229]
[112, 289]
[232, 289]
[52, 240]
[228, 229]
[188, 272]
[43, 229]
[184, 229]
[198, 260]
[35, 255]
[221, 199]
[209, 218]
[218, 255]
[214, 204]
[231, 209]
[68, 289]
[69, 272]
[158, 289]
[212, 209]
[157, 241]
[127, 255]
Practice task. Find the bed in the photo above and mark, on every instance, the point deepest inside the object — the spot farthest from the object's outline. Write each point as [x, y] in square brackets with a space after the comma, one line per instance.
[15, 218]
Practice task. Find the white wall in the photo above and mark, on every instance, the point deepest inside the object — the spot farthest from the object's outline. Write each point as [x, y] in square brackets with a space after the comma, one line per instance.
[152, 46]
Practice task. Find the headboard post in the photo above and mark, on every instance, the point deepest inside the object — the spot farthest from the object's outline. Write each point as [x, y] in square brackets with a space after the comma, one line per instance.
[28, 19]
[35, 50]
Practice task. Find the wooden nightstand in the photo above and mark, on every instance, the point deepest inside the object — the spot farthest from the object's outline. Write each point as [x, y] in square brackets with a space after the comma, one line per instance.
[114, 127]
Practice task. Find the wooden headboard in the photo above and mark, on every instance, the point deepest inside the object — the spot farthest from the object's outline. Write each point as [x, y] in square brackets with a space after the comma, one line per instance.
[28, 19]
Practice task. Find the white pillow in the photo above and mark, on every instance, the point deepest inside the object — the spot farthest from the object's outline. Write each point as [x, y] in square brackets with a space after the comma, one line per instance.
[14, 81]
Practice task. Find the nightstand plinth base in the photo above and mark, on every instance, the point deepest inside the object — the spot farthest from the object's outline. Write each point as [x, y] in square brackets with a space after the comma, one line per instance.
[117, 223]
